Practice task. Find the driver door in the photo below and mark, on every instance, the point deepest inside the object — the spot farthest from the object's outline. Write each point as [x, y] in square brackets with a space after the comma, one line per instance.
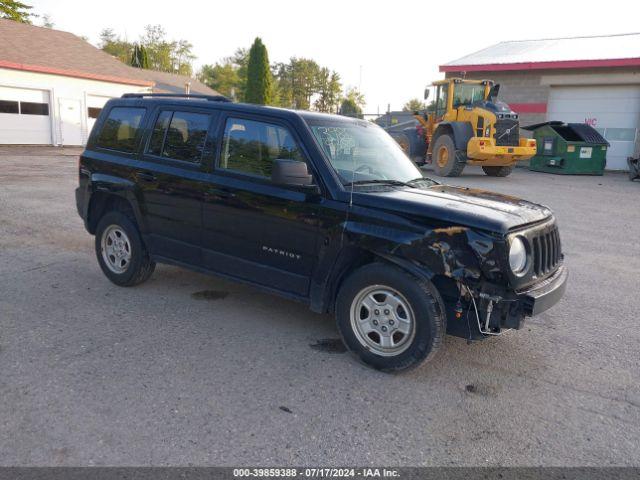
[442, 99]
[253, 229]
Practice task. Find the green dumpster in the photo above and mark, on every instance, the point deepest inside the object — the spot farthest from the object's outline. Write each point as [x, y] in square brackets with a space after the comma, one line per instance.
[568, 148]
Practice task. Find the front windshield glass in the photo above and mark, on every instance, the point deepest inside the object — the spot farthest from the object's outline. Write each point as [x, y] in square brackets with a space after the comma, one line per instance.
[362, 152]
[466, 94]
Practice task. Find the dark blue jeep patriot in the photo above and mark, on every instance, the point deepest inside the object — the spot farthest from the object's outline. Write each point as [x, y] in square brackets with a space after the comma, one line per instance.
[319, 208]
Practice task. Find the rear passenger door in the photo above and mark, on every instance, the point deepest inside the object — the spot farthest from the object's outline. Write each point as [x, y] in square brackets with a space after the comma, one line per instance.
[177, 153]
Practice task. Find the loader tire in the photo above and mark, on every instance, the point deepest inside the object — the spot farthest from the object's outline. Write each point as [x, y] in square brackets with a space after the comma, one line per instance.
[447, 161]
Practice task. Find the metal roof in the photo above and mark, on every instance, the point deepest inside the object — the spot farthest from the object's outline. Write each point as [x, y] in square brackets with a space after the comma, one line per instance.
[575, 52]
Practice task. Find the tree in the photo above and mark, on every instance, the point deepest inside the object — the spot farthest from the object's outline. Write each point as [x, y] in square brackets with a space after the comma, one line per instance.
[15, 10]
[352, 103]
[222, 77]
[329, 91]
[305, 74]
[349, 108]
[158, 48]
[115, 46]
[259, 82]
[47, 22]
[229, 77]
[139, 57]
[414, 105]
[164, 55]
[182, 57]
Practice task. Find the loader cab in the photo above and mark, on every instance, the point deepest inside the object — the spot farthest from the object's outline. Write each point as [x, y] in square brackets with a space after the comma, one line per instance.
[451, 94]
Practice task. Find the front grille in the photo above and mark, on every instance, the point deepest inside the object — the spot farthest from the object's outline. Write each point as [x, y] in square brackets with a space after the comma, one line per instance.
[503, 138]
[547, 251]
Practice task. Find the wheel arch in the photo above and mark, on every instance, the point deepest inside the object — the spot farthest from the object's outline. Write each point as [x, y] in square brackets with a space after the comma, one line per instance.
[461, 132]
[104, 201]
[348, 262]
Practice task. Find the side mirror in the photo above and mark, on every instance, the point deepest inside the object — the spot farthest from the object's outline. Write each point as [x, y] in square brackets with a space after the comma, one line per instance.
[291, 172]
[426, 93]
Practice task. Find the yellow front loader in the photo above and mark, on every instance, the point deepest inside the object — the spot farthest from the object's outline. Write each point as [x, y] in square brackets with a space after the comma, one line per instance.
[467, 125]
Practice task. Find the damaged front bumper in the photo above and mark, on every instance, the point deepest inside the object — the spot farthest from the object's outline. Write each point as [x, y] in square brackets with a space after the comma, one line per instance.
[488, 310]
[544, 295]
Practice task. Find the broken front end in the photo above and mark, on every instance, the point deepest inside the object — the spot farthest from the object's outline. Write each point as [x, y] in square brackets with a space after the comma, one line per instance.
[491, 283]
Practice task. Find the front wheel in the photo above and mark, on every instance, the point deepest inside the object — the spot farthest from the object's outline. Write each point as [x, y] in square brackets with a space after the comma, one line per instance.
[498, 171]
[390, 319]
[447, 162]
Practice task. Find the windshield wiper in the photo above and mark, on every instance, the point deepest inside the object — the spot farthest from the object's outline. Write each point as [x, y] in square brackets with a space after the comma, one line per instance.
[381, 182]
[422, 179]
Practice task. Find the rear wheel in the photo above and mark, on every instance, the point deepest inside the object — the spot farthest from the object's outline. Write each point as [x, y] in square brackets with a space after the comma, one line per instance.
[446, 160]
[498, 171]
[121, 253]
[390, 319]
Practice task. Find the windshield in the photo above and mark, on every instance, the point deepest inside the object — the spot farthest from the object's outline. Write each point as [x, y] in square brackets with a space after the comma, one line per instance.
[362, 152]
[466, 94]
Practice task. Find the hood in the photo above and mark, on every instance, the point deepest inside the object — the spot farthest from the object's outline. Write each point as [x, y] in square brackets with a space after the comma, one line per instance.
[458, 205]
[493, 106]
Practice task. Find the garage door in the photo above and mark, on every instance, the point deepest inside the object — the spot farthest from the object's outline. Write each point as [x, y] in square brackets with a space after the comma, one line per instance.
[94, 107]
[24, 116]
[613, 110]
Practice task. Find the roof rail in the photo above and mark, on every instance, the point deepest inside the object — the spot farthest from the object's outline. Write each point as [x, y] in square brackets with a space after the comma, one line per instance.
[211, 98]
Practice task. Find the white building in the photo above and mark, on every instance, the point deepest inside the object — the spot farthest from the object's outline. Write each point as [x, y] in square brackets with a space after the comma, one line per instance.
[53, 85]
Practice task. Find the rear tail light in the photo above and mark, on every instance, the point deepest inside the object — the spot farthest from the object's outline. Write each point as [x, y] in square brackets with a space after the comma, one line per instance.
[481, 142]
[532, 143]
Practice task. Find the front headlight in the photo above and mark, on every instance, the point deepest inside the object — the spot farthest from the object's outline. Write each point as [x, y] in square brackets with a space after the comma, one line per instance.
[518, 256]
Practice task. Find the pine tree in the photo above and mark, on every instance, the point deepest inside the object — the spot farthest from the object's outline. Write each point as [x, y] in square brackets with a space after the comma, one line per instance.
[139, 58]
[15, 10]
[259, 82]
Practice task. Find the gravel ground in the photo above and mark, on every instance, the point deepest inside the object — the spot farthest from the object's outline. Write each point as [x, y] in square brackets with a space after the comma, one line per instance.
[193, 370]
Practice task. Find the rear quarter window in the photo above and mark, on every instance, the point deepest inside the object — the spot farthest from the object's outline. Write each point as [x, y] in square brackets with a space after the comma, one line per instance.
[121, 129]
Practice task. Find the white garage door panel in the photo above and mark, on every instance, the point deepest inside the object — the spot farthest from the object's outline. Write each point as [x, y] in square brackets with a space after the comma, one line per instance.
[95, 101]
[607, 108]
[22, 129]
[24, 94]
[25, 129]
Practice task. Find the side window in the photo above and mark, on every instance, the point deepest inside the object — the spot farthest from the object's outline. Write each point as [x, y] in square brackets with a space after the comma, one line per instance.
[159, 130]
[180, 135]
[249, 146]
[441, 100]
[120, 129]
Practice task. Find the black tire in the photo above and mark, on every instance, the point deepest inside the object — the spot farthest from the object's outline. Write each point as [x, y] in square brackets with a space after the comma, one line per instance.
[444, 150]
[498, 171]
[140, 266]
[424, 302]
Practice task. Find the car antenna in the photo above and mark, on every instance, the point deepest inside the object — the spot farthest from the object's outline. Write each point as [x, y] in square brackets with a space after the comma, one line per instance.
[353, 179]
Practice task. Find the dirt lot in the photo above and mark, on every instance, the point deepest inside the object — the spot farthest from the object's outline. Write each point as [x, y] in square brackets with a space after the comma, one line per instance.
[191, 370]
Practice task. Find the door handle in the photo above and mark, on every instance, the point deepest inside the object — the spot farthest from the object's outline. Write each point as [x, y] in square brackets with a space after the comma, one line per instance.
[146, 177]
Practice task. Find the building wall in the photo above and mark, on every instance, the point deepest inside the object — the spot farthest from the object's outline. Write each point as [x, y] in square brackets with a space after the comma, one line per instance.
[67, 91]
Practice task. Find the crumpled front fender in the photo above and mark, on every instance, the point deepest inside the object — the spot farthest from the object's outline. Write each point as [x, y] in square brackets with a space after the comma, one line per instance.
[454, 251]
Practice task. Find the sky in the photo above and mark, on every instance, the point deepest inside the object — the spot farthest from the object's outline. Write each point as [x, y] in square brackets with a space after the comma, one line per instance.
[390, 50]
